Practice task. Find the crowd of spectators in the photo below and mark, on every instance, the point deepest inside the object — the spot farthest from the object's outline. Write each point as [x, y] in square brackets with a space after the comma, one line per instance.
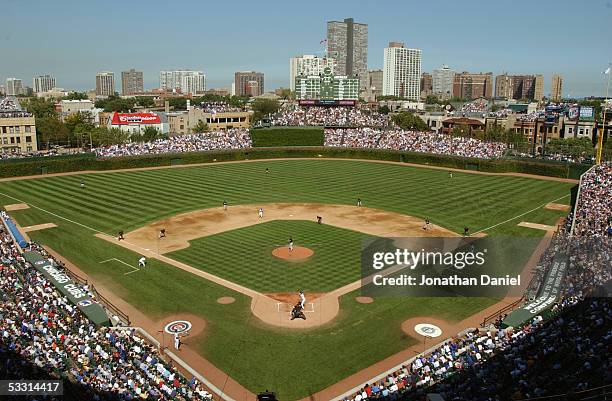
[570, 353]
[42, 328]
[218, 107]
[294, 115]
[594, 208]
[236, 138]
[413, 141]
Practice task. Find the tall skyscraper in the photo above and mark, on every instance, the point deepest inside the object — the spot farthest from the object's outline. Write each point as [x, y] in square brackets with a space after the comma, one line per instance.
[308, 65]
[43, 83]
[184, 81]
[402, 71]
[132, 81]
[105, 83]
[473, 86]
[347, 43]
[14, 87]
[556, 89]
[249, 83]
[527, 87]
[442, 82]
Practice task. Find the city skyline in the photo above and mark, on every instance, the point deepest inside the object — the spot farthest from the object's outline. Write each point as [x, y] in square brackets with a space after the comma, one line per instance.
[538, 46]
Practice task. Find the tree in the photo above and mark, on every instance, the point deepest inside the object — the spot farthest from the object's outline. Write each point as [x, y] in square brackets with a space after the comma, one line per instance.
[51, 131]
[431, 99]
[40, 107]
[384, 109]
[201, 126]
[264, 107]
[149, 134]
[75, 96]
[285, 93]
[103, 136]
[178, 103]
[79, 125]
[409, 121]
[115, 103]
[145, 101]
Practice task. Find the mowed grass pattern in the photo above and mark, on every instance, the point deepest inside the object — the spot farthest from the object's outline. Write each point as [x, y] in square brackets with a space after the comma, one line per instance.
[126, 200]
[244, 256]
[234, 340]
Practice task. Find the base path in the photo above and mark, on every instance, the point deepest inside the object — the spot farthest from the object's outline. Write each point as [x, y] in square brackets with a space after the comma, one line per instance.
[182, 228]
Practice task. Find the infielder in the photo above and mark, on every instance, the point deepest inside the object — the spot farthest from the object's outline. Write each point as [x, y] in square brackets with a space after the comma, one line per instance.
[358, 202]
[260, 213]
[142, 262]
[225, 205]
[302, 299]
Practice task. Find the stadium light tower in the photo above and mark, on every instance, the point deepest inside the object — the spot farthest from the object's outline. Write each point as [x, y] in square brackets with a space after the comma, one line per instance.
[608, 72]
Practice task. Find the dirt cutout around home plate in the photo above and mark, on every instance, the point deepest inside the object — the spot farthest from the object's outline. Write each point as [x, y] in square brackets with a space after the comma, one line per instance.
[297, 254]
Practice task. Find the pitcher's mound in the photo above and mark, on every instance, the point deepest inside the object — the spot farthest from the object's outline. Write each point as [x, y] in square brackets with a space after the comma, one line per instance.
[298, 254]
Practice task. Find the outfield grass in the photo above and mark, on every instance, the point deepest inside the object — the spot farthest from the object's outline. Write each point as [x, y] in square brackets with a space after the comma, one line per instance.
[257, 355]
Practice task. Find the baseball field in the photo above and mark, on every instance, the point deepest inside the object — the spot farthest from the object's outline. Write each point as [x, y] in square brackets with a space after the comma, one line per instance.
[211, 254]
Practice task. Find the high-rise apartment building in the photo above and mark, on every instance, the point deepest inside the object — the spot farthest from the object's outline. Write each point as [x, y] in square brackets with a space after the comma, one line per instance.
[308, 65]
[184, 81]
[43, 83]
[249, 83]
[105, 83]
[132, 82]
[528, 87]
[347, 43]
[14, 87]
[556, 89]
[470, 86]
[442, 82]
[426, 84]
[402, 71]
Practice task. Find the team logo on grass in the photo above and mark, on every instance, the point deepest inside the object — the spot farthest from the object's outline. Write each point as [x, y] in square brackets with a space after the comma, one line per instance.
[177, 327]
[429, 330]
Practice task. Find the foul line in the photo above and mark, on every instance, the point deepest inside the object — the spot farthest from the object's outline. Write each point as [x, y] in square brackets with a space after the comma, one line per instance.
[134, 269]
[520, 215]
[67, 219]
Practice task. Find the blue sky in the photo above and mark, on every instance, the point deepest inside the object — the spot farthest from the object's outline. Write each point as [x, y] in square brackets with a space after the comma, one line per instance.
[73, 40]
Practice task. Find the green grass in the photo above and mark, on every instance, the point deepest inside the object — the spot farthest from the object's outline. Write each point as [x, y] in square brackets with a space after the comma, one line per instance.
[247, 256]
[256, 355]
[287, 136]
